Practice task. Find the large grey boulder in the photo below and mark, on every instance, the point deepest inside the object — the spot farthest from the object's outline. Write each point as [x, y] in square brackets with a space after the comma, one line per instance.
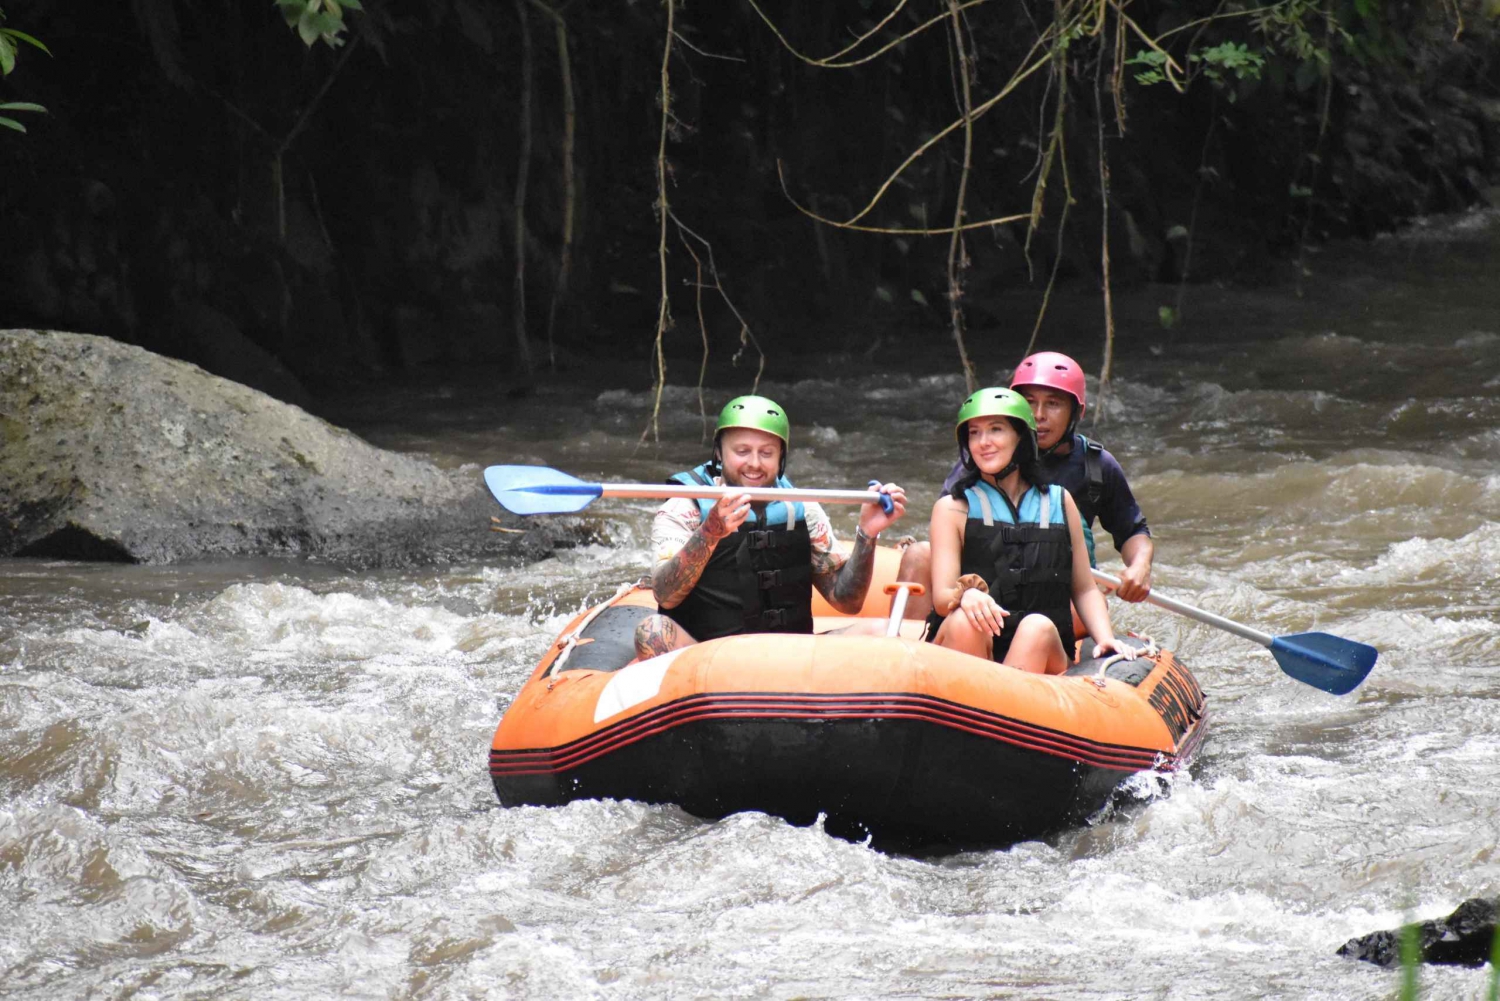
[110, 452]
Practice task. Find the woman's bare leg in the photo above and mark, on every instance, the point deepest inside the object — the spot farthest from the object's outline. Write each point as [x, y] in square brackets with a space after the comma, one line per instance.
[958, 633]
[1037, 648]
[916, 567]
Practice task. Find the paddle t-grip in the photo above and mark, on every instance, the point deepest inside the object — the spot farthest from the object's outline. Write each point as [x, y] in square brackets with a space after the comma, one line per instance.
[900, 590]
[886, 504]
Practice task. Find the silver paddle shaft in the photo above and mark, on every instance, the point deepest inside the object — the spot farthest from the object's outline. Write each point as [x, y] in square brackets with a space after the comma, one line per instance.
[1207, 618]
[755, 493]
[898, 612]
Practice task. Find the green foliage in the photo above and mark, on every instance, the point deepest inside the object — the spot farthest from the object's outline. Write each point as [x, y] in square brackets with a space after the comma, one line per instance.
[1168, 317]
[1494, 992]
[1230, 59]
[1411, 959]
[1226, 65]
[11, 123]
[318, 20]
[1289, 43]
[1290, 26]
[8, 39]
[1154, 61]
[9, 43]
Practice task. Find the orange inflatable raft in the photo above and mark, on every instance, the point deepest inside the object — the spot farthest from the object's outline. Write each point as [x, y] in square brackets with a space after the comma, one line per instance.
[907, 743]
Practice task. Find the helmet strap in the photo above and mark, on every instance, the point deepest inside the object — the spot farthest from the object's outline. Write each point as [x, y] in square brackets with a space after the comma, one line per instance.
[715, 465]
[1067, 436]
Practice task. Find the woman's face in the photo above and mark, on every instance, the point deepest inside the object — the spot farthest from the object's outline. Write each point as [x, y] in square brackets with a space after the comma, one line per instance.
[992, 442]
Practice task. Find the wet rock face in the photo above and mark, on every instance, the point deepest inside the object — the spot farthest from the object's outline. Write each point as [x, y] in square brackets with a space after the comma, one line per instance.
[110, 452]
[1463, 938]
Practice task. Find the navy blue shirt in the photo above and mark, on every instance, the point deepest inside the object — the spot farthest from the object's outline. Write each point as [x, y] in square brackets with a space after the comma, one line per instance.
[1117, 512]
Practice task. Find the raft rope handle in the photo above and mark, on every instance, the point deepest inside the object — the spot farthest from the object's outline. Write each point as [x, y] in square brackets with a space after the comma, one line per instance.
[1112, 659]
[1150, 651]
[570, 642]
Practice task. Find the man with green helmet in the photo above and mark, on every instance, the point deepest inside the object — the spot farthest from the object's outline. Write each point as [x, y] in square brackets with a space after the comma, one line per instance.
[729, 566]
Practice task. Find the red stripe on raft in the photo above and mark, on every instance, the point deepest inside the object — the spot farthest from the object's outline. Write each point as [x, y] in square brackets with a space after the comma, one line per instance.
[663, 718]
[789, 705]
[818, 705]
[555, 762]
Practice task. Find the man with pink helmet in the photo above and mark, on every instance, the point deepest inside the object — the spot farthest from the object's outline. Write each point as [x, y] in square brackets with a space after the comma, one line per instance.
[1054, 386]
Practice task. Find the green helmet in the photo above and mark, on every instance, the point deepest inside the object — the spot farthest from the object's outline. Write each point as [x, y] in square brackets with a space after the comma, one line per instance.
[760, 414]
[996, 401]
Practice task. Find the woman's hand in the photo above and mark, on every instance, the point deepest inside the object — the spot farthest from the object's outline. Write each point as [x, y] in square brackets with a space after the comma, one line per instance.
[983, 611]
[1108, 647]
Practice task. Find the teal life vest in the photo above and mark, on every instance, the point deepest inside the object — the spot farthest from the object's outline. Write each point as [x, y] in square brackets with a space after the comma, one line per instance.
[758, 580]
[1024, 554]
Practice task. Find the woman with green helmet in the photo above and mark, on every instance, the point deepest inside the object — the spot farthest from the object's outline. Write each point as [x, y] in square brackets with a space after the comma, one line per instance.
[1007, 556]
[731, 567]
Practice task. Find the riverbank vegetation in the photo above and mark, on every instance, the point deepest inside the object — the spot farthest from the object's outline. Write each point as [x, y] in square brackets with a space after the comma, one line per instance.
[335, 189]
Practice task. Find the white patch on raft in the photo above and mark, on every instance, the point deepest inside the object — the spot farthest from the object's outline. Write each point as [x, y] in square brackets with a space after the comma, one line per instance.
[633, 685]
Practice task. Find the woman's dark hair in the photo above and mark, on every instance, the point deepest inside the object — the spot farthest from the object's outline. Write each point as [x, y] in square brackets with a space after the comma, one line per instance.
[1025, 459]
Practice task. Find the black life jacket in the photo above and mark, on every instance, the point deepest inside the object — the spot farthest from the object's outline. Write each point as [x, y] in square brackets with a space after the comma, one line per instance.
[1093, 475]
[1024, 554]
[758, 580]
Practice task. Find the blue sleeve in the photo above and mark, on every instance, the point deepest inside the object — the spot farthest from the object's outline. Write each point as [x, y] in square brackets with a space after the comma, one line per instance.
[1119, 515]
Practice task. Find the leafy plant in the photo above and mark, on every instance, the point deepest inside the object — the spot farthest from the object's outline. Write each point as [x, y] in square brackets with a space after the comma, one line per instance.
[1494, 992]
[1411, 960]
[1230, 59]
[1153, 60]
[1223, 64]
[318, 20]
[9, 42]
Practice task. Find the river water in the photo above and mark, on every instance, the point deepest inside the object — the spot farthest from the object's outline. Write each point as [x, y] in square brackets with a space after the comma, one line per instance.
[268, 779]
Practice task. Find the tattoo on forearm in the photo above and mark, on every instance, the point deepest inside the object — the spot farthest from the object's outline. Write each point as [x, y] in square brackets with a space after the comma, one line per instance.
[655, 636]
[671, 581]
[853, 578]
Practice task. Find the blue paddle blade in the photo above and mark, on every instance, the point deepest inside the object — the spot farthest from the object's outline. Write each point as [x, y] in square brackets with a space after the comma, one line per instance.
[539, 490]
[1335, 665]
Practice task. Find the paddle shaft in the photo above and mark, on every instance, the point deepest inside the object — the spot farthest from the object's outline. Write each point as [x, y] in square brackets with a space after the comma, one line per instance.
[755, 494]
[1207, 618]
[898, 612]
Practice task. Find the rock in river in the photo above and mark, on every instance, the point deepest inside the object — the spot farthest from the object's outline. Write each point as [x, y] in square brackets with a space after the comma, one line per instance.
[110, 452]
[1463, 938]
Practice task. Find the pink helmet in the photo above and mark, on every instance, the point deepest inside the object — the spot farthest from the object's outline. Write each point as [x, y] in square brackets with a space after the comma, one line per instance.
[1053, 370]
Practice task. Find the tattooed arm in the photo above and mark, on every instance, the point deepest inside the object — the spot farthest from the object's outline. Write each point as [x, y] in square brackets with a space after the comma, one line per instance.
[845, 582]
[677, 574]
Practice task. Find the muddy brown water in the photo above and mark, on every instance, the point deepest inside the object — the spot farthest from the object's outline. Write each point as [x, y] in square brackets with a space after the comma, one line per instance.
[267, 778]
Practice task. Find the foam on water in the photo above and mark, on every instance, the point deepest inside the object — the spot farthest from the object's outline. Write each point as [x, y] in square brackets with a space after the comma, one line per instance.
[269, 780]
